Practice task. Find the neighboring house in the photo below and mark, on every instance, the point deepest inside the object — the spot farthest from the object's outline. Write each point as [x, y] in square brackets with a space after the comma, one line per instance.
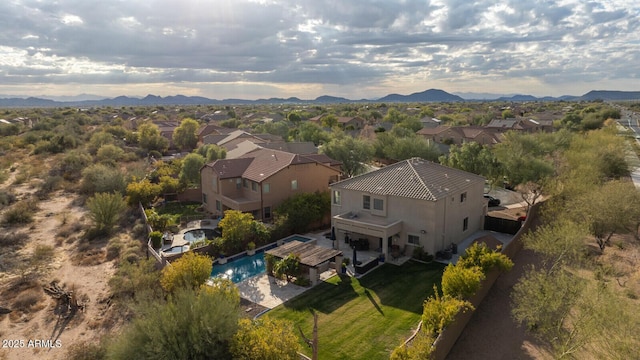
[412, 203]
[262, 179]
[208, 129]
[235, 142]
[458, 135]
[442, 134]
[521, 124]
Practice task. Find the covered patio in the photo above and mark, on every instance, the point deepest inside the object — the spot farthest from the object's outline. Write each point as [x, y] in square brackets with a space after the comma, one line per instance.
[362, 227]
[316, 259]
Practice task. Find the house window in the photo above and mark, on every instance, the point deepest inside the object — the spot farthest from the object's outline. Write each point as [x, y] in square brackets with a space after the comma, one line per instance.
[414, 239]
[378, 204]
[245, 183]
[204, 198]
[266, 188]
[267, 212]
[336, 197]
[463, 197]
[218, 205]
[254, 186]
[294, 184]
[366, 202]
[214, 184]
[238, 183]
[465, 224]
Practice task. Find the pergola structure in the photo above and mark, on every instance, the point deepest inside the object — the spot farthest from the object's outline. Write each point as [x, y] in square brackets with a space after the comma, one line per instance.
[311, 256]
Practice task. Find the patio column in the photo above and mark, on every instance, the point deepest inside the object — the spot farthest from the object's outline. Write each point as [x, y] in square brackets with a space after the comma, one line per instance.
[338, 263]
[313, 275]
[385, 246]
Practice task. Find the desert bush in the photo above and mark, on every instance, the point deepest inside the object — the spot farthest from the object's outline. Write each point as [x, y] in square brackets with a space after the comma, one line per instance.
[190, 271]
[27, 299]
[6, 198]
[20, 213]
[13, 238]
[113, 249]
[101, 178]
[50, 184]
[440, 311]
[73, 163]
[105, 210]
[85, 350]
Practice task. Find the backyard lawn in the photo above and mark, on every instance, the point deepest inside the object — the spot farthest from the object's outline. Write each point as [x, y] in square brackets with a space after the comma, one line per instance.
[363, 318]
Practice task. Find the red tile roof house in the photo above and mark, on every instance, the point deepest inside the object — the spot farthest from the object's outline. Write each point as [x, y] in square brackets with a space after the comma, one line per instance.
[259, 181]
[412, 203]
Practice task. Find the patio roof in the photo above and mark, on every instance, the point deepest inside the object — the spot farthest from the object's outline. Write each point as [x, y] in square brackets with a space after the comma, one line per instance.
[310, 254]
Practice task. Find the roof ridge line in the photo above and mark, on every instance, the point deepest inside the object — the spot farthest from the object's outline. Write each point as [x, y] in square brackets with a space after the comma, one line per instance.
[419, 177]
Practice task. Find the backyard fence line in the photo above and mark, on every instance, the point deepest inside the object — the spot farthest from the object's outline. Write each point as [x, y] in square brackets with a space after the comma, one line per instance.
[448, 337]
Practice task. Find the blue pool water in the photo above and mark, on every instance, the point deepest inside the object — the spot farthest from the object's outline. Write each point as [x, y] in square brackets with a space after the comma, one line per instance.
[241, 269]
[245, 267]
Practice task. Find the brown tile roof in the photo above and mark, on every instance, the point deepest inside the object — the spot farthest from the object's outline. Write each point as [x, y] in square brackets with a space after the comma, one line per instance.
[433, 131]
[230, 168]
[413, 178]
[259, 164]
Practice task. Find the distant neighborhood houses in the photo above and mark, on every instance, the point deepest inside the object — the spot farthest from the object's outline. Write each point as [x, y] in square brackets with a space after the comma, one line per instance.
[490, 134]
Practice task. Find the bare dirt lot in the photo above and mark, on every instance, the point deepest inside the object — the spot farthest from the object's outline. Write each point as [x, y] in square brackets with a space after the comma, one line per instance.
[35, 317]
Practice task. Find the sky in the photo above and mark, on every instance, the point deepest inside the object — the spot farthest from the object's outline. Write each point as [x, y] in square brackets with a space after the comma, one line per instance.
[358, 49]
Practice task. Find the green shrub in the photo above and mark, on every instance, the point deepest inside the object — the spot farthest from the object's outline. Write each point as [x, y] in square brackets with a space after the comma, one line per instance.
[461, 282]
[440, 311]
[156, 239]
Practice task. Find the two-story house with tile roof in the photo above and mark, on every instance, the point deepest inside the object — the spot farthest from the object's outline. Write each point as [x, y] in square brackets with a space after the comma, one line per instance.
[409, 204]
[262, 179]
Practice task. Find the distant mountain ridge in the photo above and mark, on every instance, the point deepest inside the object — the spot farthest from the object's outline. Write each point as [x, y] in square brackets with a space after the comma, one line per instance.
[431, 95]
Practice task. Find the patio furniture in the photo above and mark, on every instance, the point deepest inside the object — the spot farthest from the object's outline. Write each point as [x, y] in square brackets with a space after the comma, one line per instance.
[167, 237]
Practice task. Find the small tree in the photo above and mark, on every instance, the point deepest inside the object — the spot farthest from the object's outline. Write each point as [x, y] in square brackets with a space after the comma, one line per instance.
[288, 267]
[265, 338]
[236, 229]
[190, 271]
[150, 139]
[105, 210]
[142, 191]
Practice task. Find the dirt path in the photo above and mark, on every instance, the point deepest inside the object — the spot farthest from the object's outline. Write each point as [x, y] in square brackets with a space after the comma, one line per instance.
[491, 332]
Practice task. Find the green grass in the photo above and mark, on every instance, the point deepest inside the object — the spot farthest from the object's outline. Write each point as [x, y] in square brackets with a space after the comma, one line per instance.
[178, 209]
[365, 318]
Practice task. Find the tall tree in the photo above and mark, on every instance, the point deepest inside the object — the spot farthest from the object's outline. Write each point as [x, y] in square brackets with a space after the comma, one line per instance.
[185, 136]
[190, 173]
[353, 153]
[150, 139]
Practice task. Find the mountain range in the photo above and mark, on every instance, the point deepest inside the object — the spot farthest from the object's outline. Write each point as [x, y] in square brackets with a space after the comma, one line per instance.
[431, 95]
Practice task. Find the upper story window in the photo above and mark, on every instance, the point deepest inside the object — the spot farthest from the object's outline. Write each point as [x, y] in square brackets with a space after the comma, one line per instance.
[214, 183]
[378, 204]
[266, 188]
[336, 197]
[238, 183]
[254, 186]
[204, 198]
[245, 183]
[465, 224]
[463, 197]
[366, 202]
[294, 184]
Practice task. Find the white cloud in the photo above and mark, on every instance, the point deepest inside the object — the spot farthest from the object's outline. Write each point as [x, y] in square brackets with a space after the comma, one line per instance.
[348, 47]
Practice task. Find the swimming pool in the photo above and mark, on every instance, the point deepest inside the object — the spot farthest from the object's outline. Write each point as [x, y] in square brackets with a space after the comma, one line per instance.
[244, 267]
[241, 269]
[200, 234]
